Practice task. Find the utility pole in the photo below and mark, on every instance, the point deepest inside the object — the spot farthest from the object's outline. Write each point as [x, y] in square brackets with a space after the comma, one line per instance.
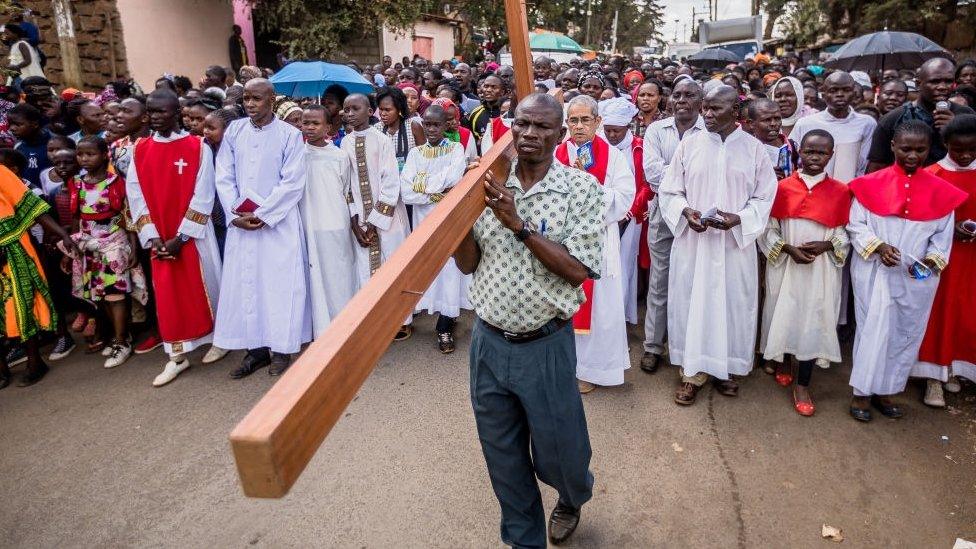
[68, 44]
[676, 21]
[589, 12]
[613, 38]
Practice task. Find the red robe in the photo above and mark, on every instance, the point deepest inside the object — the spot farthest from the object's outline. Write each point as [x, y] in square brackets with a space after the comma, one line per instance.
[182, 307]
[951, 331]
[601, 160]
[919, 197]
[498, 129]
[644, 195]
[828, 203]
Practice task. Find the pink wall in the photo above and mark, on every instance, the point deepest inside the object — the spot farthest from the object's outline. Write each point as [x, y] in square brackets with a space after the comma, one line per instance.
[175, 36]
[242, 17]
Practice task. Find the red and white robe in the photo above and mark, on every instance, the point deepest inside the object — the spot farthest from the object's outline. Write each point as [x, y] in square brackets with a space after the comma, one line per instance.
[601, 331]
[170, 188]
[634, 254]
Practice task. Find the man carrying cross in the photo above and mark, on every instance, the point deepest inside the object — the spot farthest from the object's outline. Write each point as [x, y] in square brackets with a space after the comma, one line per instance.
[540, 239]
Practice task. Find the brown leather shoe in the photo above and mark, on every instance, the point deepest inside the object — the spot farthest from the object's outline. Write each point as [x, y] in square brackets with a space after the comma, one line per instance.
[562, 522]
[686, 393]
[650, 362]
[728, 387]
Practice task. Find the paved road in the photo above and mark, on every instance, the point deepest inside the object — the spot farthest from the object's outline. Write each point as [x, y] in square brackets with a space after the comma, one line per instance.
[95, 457]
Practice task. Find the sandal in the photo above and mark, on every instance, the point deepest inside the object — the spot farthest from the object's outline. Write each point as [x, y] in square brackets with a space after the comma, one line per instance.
[94, 347]
[727, 387]
[784, 377]
[803, 407]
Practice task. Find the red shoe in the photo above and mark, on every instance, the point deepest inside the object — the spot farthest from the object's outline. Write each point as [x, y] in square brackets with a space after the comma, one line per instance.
[148, 344]
[803, 407]
[785, 379]
[79, 323]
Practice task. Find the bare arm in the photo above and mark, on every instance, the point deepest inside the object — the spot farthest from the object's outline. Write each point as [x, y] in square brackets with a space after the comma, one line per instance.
[468, 254]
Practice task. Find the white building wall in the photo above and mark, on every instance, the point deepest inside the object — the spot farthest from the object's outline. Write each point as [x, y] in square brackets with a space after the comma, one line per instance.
[398, 46]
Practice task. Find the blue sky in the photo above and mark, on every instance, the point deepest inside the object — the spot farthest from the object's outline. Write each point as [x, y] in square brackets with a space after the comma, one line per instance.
[681, 10]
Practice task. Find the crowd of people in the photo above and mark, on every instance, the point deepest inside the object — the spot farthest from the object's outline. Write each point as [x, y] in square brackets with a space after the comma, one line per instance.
[764, 208]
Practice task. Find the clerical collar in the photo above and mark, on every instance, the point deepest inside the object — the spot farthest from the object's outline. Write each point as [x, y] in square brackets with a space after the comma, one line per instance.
[811, 180]
[952, 166]
[362, 133]
[173, 136]
[625, 143]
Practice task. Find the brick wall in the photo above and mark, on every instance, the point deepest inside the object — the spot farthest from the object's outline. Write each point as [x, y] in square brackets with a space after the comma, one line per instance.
[97, 29]
[364, 50]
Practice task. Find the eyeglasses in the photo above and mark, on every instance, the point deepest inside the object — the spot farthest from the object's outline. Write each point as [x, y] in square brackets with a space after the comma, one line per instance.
[585, 121]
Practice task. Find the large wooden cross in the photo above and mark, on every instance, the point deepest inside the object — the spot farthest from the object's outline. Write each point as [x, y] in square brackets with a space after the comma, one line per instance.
[276, 440]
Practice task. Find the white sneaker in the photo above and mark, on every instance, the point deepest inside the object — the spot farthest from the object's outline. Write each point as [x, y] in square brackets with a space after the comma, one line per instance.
[107, 350]
[170, 371]
[118, 353]
[214, 354]
[953, 385]
[933, 394]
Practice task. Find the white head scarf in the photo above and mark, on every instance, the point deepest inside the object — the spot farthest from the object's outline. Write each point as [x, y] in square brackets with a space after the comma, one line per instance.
[790, 121]
[617, 111]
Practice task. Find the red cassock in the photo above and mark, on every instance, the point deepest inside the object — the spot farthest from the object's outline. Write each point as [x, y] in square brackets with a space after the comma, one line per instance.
[639, 209]
[601, 160]
[167, 177]
[951, 332]
[827, 203]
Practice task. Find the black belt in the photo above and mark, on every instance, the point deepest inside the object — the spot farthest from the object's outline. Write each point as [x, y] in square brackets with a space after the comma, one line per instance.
[549, 328]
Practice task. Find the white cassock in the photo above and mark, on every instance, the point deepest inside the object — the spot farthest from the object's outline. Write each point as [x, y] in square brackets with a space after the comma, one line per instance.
[802, 301]
[713, 279]
[263, 297]
[471, 149]
[332, 279]
[630, 241]
[892, 308]
[429, 173]
[203, 235]
[379, 184]
[602, 355]
[852, 140]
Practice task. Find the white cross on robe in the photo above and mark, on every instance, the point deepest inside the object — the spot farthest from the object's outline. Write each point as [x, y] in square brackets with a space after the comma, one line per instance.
[180, 164]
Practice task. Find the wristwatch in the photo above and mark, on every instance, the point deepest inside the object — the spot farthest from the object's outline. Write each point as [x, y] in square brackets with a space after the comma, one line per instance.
[527, 230]
[184, 238]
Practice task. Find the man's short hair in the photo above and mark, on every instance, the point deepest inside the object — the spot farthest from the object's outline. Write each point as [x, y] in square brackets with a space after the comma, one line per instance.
[818, 133]
[586, 101]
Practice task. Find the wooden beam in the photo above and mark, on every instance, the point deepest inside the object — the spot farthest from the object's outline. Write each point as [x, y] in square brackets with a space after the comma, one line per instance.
[276, 440]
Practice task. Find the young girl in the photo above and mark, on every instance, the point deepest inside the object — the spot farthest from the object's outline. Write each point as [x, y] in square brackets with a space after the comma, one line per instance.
[949, 348]
[901, 226]
[108, 270]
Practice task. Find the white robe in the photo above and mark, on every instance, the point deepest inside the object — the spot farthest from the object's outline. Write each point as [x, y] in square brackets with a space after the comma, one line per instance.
[892, 308]
[263, 297]
[384, 183]
[423, 183]
[802, 301]
[203, 234]
[713, 280]
[332, 279]
[630, 242]
[602, 355]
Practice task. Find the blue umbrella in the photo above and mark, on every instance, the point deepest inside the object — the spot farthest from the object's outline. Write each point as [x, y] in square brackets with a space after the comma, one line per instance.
[311, 78]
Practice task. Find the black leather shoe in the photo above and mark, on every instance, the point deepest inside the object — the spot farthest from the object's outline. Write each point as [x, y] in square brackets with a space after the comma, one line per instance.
[650, 362]
[33, 376]
[279, 363]
[861, 414]
[887, 409]
[250, 364]
[562, 522]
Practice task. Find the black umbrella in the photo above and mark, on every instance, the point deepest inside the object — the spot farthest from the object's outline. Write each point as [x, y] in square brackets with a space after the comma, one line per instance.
[713, 58]
[885, 50]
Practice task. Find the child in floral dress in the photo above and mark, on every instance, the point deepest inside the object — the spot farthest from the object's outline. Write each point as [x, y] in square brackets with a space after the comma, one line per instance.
[108, 271]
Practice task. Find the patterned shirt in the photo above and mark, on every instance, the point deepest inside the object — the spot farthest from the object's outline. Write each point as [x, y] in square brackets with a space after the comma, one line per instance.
[512, 289]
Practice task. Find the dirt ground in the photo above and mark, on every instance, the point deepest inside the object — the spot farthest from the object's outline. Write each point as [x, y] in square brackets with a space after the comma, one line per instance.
[99, 458]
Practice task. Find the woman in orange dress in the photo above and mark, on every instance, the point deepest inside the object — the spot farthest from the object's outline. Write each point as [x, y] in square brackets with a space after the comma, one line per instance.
[27, 306]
